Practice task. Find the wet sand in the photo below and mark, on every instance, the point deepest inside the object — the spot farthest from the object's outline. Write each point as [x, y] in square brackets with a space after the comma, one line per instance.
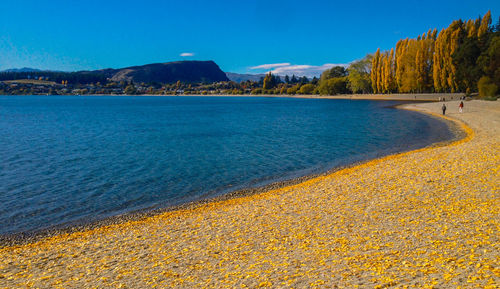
[423, 218]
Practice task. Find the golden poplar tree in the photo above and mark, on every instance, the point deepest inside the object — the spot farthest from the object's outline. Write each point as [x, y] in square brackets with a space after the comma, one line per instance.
[380, 73]
[485, 24]
[434, 34]
[374, 72]
[471, 28]
[388, 72]
[446, 44]
[406, 69]
[419, 66]
[400, 52]
[456, 39]
[381, 76]
[438, 63]
[423, 62]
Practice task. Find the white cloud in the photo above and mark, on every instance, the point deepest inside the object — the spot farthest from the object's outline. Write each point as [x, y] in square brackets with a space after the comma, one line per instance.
[187, 54]
[298, 70]
[269, 66]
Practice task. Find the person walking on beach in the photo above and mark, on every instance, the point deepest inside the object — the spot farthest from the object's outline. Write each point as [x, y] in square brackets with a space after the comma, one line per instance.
[460, 107]
[443, 108]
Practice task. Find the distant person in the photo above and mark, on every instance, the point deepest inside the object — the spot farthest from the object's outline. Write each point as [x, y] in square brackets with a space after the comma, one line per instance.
[460, 107]
[443, 108]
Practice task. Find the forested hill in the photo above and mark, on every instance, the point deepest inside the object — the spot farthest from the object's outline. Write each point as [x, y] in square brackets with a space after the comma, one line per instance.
[165, 73]
[170, 72]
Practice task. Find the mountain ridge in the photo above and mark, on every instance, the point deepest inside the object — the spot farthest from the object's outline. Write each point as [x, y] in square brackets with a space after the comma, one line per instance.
[189, 71]
[23, 69]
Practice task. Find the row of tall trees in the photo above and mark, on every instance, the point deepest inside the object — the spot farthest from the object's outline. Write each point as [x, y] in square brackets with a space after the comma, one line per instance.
[464, 57]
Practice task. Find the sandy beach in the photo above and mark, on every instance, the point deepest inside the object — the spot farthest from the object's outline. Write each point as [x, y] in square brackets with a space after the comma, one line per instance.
[422, 219]
[393, 96]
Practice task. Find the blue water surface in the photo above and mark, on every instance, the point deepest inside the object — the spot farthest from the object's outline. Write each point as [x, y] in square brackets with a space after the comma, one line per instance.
[66, 159]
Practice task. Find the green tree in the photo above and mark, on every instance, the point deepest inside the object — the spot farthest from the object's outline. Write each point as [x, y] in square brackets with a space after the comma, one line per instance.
[283, 88]
[489, 61]
[486, 87]
[293, 90]
[332, 86]
[464, 59]
[336, 71]
[257, 90]
[359, 75]
[269, 81]
[130, 89]
[307, 88]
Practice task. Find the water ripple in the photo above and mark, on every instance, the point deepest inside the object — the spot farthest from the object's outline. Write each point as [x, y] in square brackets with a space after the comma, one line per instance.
[65, 158]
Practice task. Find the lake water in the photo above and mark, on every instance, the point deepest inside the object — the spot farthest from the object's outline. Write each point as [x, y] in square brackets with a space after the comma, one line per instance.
[66, 159]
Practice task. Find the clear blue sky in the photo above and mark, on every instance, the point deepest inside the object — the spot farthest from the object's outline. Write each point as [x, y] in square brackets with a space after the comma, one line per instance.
[237, 35]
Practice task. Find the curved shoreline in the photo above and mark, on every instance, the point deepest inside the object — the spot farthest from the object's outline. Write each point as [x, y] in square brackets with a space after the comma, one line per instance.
[420, 219]
[413, 97]
[457, 130]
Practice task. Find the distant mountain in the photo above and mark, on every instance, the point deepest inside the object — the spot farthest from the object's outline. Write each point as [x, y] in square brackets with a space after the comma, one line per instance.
[237, 77]
[170, 72]
[24, 69]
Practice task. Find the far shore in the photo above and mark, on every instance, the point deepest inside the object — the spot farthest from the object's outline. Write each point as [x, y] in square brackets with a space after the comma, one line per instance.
[393, 96]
